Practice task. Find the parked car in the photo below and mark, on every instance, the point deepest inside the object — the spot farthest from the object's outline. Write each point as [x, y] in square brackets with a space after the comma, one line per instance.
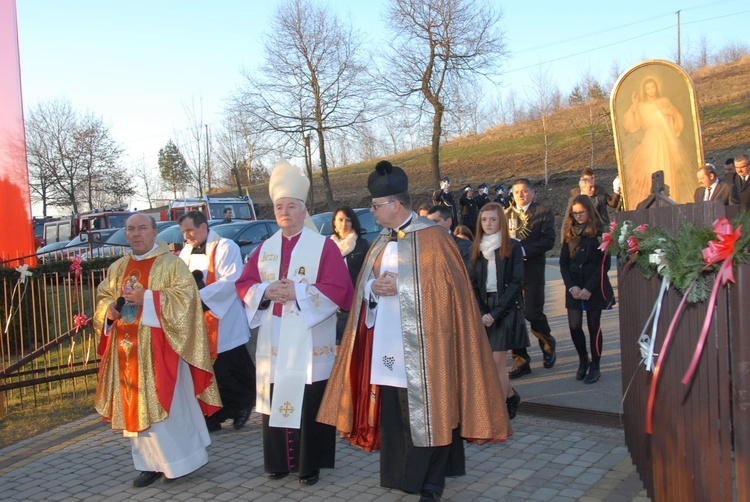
[247, 234]
[117, 244]
[370, 229]
[77, 246]
[47, 250]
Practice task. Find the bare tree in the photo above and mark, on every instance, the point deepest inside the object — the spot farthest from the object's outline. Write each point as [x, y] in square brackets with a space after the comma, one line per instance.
[149, 180]
[232, 152]
[192, 147]
[73, 159]
[312, 78]
[437, 43]
[543, 95]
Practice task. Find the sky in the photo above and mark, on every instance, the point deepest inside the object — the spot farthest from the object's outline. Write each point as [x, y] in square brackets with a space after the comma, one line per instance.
[138, 64]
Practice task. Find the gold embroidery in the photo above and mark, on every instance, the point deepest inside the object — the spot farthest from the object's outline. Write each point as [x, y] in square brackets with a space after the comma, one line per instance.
[267, 276]
[322, 351]
[287, 409]
[269, 257]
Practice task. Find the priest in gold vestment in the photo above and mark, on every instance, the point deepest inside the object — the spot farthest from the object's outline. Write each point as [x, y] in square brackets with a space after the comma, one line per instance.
[414, 372]
[156, 380]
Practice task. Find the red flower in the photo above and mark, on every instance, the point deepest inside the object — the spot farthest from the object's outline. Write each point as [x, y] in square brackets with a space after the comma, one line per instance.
[723, 247]
[641, 228]
[632, 245]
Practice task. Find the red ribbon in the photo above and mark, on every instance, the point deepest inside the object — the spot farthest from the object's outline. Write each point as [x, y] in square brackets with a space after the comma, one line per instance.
[75, 267]
[607, 237]
[81, 321]
[720, 250]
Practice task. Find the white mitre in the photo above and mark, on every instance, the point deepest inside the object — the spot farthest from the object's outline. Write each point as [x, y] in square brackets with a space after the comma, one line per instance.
[289, 181]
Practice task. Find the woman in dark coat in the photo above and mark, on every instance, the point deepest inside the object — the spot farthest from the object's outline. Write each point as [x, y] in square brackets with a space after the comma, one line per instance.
[347, 234]
[586, 282]
[496, 271]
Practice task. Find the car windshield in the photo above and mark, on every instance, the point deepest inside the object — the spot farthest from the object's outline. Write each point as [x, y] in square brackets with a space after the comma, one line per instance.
[323, 223]
[118, 238]
[229, 230]
[171, 235]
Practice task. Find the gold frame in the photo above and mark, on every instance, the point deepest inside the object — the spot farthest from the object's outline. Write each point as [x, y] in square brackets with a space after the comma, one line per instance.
[678, 154]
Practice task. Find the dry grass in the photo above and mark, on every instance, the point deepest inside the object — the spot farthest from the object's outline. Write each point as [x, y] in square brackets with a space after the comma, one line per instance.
[30, 421]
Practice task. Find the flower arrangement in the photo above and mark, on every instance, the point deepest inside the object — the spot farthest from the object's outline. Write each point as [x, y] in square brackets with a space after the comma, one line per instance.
[679, 258]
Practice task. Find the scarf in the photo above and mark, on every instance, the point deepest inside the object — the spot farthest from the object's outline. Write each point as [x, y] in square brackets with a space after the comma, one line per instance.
[346, 245]
[489, 244]
[575, 241]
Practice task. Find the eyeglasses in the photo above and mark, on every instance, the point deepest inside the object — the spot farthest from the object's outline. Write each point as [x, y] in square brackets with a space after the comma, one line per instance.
[575, 214]
[376, 205]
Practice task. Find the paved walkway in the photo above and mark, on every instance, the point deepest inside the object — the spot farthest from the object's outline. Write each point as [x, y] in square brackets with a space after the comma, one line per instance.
[546, 459]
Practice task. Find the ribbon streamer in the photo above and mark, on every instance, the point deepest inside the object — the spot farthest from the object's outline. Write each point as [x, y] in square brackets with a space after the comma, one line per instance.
[657, 369]
[725, 274]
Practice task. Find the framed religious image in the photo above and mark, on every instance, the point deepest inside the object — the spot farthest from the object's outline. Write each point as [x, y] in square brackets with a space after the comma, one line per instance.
[656, 127]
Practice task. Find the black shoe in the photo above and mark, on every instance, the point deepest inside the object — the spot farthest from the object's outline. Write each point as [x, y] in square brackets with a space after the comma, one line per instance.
[276, 475]
[550, 359]
[512, 403]
[593, 376]
[145, 478]
[428, 496]
[583, 368]
[520, 371]
[310, 479]
[213, 425]
[240, 419]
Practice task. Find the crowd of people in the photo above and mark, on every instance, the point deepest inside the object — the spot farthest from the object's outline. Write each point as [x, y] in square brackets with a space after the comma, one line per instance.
[385, 343]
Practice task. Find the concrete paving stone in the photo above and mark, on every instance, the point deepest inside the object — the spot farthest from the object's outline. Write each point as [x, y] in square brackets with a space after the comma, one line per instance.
[572, 470]
[521, 474]
[513, 463]
[144, 493]
[564, 458]
[544, 494]
[571, 492]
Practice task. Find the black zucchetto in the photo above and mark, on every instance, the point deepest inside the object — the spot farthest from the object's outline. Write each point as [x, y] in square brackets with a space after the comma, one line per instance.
[386, 180]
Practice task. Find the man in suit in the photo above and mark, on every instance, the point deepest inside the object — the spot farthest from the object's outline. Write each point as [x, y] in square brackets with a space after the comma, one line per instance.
[741, 180]
[711, 188]
[442, 216]
[535, 228]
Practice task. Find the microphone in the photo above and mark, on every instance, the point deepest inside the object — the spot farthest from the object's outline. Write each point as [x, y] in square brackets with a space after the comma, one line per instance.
[120, 304]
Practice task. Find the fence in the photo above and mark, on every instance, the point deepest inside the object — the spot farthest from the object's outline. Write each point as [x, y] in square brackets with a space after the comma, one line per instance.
[701, 431]
[44, 355]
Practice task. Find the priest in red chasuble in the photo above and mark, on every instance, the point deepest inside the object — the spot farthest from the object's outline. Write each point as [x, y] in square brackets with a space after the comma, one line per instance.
[414, 371]
[292, 286]
[156, 380]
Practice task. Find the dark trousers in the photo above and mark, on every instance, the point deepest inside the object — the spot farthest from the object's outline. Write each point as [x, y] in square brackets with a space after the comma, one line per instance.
[533, 311]
[235, 377]
[593, 320]
[402, 465]
[303, 450]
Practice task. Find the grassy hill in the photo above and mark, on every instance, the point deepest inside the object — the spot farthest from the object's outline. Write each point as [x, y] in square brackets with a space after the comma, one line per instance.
[508, 152]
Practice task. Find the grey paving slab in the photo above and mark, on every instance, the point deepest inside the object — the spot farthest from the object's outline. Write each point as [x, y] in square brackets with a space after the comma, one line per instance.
[235, 469]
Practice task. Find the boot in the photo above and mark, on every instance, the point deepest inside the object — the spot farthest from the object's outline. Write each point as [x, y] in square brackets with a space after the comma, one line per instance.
[594, 374]
[583, 367]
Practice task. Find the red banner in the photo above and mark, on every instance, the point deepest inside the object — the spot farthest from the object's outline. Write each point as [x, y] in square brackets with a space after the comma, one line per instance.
[17, 236]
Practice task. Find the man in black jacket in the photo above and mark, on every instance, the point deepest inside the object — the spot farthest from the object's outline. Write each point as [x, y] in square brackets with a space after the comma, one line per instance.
[741, 180]
[535, 227]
